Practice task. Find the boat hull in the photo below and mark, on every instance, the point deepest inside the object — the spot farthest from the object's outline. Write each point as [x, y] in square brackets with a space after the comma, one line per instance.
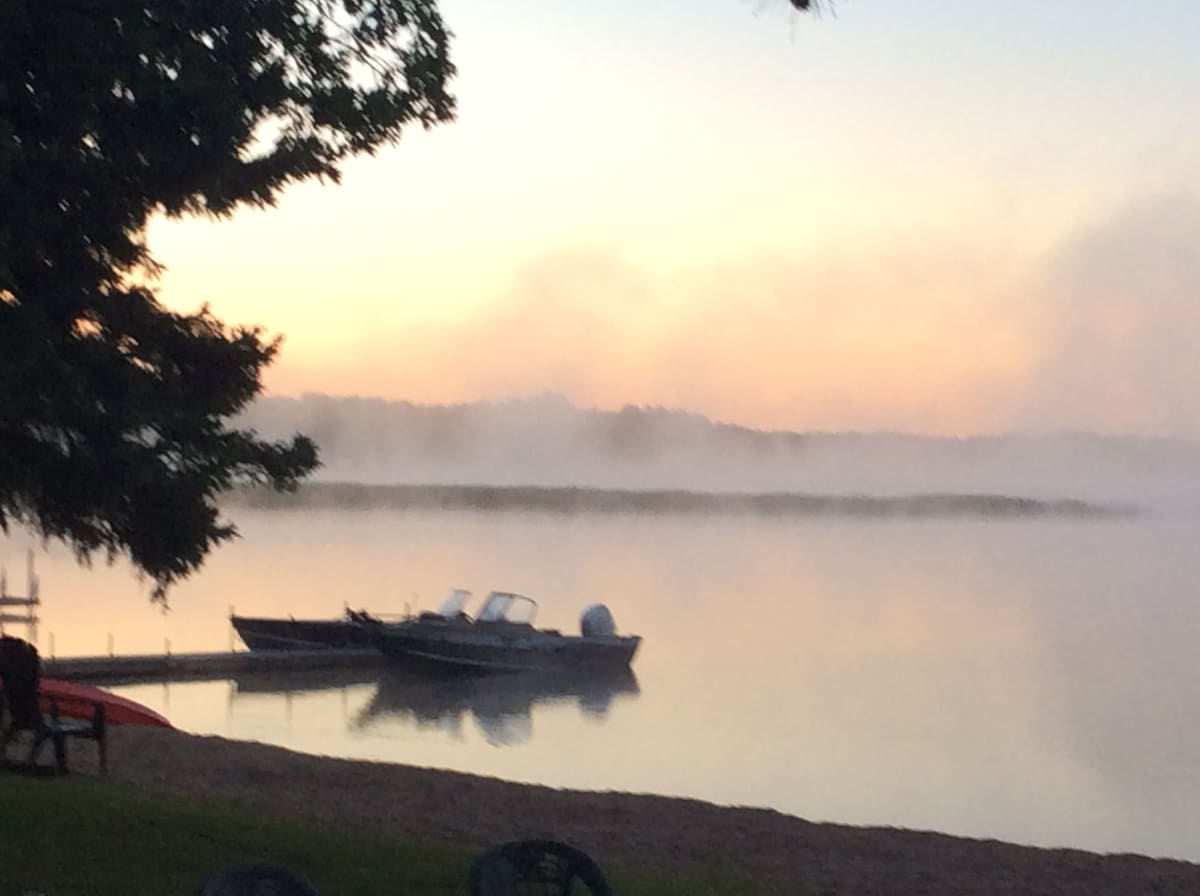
[475, 647]
[259, 633]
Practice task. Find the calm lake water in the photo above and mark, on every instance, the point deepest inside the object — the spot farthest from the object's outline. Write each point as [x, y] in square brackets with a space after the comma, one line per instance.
[1027, 679]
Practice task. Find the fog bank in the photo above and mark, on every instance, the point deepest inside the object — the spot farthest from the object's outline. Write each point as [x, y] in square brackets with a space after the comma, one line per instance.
[548, 442]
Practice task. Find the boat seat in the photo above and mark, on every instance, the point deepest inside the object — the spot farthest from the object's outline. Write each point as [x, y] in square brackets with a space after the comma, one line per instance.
[21, 710]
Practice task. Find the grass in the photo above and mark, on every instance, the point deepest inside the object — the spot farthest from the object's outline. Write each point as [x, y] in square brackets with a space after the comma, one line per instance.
[76, 836]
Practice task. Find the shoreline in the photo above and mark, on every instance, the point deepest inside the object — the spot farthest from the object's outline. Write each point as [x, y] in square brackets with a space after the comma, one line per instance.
[779, 852]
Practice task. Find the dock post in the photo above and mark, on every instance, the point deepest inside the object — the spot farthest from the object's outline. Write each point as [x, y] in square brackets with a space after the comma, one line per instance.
[35, 599]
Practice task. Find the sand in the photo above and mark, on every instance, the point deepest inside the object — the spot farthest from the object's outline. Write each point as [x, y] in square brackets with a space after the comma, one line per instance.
[785, 853]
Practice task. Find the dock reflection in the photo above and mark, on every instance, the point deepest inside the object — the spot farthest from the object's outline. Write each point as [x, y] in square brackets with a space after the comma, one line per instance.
[298, 682]
[501, 703]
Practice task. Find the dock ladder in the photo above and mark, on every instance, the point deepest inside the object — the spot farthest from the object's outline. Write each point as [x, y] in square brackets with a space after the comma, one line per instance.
[30, 601]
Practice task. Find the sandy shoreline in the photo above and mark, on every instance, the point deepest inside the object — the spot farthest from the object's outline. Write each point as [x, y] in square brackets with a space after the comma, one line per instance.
[782, 851]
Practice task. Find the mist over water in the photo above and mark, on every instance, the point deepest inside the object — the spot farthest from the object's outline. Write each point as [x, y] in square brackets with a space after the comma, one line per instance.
[547, 442]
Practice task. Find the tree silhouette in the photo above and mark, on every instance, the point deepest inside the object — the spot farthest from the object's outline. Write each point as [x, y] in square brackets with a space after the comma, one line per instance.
[114, 411]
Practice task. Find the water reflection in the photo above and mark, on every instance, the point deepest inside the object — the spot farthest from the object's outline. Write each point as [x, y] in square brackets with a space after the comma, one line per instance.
[501, 704]
[297, 682]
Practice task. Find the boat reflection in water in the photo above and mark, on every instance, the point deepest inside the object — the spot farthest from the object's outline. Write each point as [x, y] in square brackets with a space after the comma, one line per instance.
[501, 703]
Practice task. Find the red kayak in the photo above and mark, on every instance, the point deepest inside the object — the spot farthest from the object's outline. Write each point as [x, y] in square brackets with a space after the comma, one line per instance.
[77, 701]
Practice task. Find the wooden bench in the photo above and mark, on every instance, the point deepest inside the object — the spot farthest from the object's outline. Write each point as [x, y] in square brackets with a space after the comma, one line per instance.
[21, 710]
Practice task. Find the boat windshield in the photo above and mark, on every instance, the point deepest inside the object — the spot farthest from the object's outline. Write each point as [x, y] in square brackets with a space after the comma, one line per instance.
[501, 606]
[454, 603]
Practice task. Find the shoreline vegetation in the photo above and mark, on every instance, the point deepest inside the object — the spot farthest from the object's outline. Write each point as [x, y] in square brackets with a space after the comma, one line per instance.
[648, 844]
[363, 496]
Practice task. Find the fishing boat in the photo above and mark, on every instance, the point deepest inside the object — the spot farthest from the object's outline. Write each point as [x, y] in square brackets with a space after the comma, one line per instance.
[355, 628]
[502, 637]
[78, 701]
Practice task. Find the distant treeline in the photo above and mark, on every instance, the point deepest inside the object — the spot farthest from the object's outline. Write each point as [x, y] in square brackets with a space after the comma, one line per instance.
[356, 496]
[666, 459]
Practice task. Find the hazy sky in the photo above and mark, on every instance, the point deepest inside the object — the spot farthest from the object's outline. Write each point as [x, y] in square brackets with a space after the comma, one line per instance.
[947, 218]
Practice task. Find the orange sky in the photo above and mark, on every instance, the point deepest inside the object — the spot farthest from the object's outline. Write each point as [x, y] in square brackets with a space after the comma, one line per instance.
[868, 221]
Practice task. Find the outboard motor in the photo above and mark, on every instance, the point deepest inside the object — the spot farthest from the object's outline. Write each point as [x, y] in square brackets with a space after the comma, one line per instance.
[597, 622]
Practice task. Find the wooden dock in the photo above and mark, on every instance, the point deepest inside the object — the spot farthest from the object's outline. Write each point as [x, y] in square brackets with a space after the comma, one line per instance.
[202, 666]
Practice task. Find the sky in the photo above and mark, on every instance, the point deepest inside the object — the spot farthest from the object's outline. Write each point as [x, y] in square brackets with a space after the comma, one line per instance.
[940, 218]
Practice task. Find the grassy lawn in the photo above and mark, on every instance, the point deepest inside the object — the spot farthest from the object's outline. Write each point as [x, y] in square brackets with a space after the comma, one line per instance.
[77, 836]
